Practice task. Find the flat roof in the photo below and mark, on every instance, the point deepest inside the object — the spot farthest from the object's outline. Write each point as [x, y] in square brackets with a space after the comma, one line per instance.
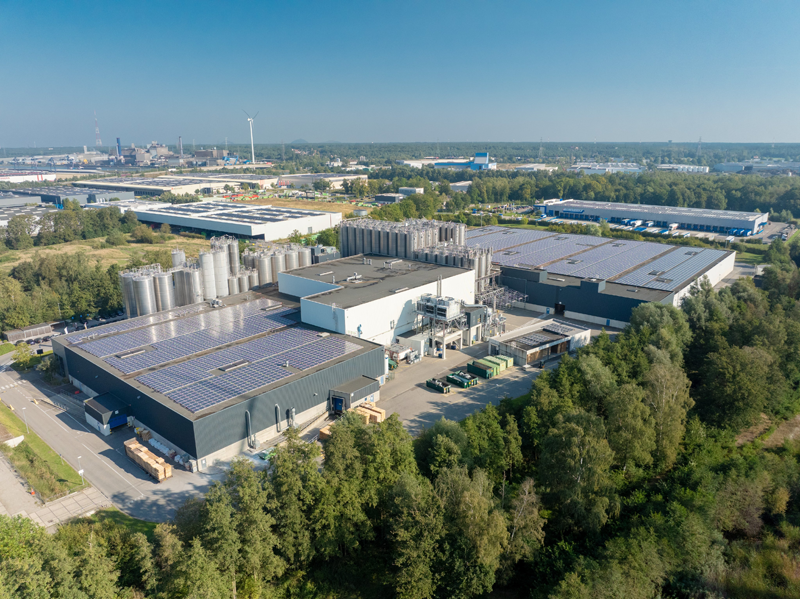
[674, 211]
[216, 211]
[37, 210]
[377, 280]
[197, 360]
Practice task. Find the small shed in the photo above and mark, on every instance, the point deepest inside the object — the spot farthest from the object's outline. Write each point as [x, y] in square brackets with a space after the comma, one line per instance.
[105, 412]
[31, 332]
[350, 394]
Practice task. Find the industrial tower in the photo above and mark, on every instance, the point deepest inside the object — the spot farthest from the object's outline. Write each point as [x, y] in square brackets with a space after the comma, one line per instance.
[97, 141]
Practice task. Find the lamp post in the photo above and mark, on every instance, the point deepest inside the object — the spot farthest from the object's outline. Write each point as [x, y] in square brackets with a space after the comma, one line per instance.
[80, 470]
[25, 416]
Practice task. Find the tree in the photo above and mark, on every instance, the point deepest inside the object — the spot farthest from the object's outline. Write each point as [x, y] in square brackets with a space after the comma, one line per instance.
[220, 534]
[116, 238]
[22, 355]
[296, 237]
[322, 185]
[416, 524]
[165, 229]
[197, 577]
[574, 469]
[95, 572]
[143, 234]
[667, 397]
[19, 232]
[630, 427]
[329, 237]
[525, 525]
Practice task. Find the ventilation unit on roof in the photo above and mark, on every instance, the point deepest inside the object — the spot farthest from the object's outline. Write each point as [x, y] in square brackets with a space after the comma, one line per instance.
[662, 280]
[574, 261]
[692, 253]
[233, 365]
[656, 273]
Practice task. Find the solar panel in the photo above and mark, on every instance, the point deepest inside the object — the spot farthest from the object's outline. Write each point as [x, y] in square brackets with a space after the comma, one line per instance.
[558, 329]
[126, 325]
[534, 339]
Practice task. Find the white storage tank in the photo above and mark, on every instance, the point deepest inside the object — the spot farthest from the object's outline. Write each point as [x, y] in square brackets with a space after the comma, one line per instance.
[145, 295]
[233, 285]
[252, 275]
[179, 283]
[128, 295]
[221, 271]
[208, 276]
[194, 286]
[278, 265]
[291, 261]
[178, 257]
[244, 282]
[304, 256]
[233, 257]
[264, 269]
[164, 291]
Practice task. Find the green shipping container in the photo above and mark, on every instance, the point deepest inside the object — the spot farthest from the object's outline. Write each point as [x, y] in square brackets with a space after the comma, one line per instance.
[501, 364]
[509, 360]
[480, 370]
[495, 368]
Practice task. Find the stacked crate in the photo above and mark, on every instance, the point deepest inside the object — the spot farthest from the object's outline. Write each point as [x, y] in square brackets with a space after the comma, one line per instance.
[155, 466]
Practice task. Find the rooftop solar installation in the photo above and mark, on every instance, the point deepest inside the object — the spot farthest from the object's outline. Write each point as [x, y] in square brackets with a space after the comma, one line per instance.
[547, 250]
[558, 328]
[133, 323]
[506, 238]
[608, 260]
[534, 339]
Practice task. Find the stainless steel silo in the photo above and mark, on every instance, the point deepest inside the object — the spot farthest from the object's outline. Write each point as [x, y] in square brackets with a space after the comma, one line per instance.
[221, 268]
[264, 269]
[164, 291]
[178, 257]
[291, 260]
[179, 283]
[392, 248]
[233, 285]
[304, 256]
[207, 273]
[194, 286]
[233, 256]
[244, 282]
[252, 276]
[145, 295]
[278, 265]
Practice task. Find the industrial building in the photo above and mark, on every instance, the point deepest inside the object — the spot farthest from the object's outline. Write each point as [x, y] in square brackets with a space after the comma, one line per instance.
[308, 179]
[540, 341]
[234, 179]
[210, 382]
[480, 162]
[692, 219]
[682, 168]
[606, 168]
[242, 220]
[10, 199]
[596, 279]
[407, 191]
[371, 297]
[388, 198]
[155, 186]
[535, 167]
[36, 211]
[461, 186]
[26, 176]
[84, 195]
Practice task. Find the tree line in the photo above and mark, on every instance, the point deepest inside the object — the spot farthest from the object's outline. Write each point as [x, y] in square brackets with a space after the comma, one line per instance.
[622, 473]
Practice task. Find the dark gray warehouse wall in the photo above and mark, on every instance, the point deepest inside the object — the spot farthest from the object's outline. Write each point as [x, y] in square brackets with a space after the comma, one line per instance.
[153, 414]
[574, 298]
[217, 431]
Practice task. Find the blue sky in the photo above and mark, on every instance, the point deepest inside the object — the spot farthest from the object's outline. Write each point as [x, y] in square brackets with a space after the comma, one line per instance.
[380, 71]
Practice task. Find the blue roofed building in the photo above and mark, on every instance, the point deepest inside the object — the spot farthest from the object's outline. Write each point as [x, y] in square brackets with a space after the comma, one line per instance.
[480, 162]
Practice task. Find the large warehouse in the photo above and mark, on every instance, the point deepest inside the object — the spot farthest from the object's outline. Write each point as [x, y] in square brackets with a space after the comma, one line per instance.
[234, 179]
[26, 176]
[242, 220]
[84, 195]
[155, 186]
[372, 297]
[693, 219]
[596, 279]
[210, 382]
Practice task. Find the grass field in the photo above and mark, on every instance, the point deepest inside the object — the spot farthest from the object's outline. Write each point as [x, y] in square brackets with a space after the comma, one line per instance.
[36, 461]
[6, 348]
[107, 256]
[123, 519]
[749, 258]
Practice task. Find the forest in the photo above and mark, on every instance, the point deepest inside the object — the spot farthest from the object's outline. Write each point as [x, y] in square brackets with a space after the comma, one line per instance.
[654, 463]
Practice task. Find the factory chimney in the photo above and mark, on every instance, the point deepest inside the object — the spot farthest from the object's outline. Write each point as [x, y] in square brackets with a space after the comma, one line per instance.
[180, 147]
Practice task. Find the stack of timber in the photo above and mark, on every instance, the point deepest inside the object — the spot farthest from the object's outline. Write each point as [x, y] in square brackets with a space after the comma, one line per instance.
[155, 466]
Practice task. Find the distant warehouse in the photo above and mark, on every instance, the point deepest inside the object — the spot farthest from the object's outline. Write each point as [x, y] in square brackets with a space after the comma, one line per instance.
[241, 220]
[693, 219]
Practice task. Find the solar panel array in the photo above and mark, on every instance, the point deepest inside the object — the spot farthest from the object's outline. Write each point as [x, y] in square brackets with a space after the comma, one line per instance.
[160, 332]
[558, 329]
[641, 276]
[547, 250]
[506, 238]
[534, 339]
[608, 260]
[199, 341]
[212, 391]
[134, 323]
[678, 275]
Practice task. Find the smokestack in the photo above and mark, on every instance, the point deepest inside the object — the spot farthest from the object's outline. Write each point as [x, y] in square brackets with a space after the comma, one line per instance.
[119, 149]
[180, 147]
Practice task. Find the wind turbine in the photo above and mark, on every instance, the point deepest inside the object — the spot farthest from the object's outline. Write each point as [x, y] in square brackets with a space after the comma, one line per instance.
[252, 147]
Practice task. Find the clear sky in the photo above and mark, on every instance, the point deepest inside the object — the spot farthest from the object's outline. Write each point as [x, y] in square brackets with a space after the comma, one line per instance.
[351, 71]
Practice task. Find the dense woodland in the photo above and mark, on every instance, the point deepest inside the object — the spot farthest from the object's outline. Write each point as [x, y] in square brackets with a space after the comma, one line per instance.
[618, 475]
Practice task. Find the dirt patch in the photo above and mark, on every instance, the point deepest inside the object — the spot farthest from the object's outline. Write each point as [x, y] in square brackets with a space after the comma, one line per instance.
[336, 206]
[751, 434]
[788, 430]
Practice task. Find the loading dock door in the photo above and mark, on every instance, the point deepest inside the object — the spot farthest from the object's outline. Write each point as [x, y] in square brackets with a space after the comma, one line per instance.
[560, 308]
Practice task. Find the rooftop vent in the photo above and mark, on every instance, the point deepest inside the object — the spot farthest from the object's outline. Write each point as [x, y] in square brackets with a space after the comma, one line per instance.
[130, 353]
[233, 365]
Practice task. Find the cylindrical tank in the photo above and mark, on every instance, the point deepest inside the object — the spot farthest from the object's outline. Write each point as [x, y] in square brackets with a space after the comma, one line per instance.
[244, 282]
[264, 270]
[233, 285]
[233, 257]
[343, 238]
[252, 276]
[208, 276]
[250, 260]
[278, 265]
[391, 249]
[145, 295]
[164, 291]
[304, 256]
[128, 298]
[179, 283]
[194, 287]
[291, 260]
[178, 257]
[221, 269]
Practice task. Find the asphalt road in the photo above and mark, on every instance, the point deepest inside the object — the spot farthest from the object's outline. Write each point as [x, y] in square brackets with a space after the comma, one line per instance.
[102, 458]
